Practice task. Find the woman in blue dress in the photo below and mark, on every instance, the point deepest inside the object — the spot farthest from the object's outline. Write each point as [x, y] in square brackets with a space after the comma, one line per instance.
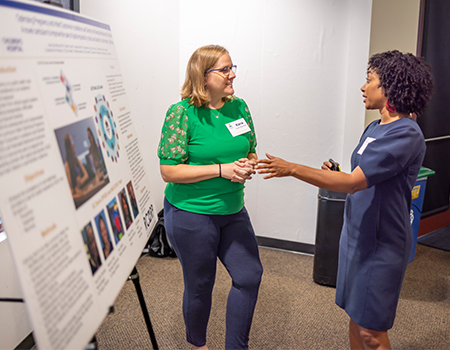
[376, 236]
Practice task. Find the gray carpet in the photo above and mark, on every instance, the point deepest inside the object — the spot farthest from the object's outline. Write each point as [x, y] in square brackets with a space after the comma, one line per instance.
[292, 312]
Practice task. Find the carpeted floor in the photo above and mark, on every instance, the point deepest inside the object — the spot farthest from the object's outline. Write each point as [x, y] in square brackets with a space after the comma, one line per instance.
[292, 312]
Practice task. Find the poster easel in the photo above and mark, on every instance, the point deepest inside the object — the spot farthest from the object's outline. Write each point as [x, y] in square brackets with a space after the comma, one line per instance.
[135, 278]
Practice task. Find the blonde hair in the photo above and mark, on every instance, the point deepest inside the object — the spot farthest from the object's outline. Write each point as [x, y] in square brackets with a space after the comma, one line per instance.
[203, 59]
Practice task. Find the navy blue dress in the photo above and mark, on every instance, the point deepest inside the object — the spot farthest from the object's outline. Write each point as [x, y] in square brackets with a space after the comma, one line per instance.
[376, 236]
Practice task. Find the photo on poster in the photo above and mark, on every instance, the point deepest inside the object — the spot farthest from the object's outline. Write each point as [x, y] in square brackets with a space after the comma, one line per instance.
[115, 220]
[82, 159]
[90, 245]
[133, 201]
[125, 208]
[103, 234]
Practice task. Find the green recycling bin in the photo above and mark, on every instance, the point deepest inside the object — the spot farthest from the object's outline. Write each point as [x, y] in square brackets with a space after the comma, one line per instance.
[418, 194]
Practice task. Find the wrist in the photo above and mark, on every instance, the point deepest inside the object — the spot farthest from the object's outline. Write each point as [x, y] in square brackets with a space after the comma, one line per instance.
[292, 169]
[220, 170]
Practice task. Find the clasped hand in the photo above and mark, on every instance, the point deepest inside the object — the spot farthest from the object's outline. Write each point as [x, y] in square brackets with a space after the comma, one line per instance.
[239, 171]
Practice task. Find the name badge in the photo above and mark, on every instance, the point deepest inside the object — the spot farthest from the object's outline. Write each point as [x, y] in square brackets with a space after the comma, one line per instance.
[365, 144]
[238, 127]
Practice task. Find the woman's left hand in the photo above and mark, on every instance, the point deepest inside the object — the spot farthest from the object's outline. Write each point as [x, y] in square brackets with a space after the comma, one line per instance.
[243, 170]
[274, 166]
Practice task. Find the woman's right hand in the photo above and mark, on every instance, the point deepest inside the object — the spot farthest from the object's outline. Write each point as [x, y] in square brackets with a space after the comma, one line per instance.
[238, 171]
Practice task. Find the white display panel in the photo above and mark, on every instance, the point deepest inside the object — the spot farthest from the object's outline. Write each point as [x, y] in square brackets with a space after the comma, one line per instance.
[75, 199]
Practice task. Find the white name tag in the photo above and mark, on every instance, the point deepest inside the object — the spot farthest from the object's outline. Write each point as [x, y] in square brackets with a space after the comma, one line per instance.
[238, 127]
[364, 145]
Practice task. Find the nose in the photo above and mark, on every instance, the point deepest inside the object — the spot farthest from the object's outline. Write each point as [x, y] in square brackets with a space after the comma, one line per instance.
[232, 75]
[363, 88]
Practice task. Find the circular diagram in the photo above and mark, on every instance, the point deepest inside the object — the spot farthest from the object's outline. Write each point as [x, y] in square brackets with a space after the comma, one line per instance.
[106, 127]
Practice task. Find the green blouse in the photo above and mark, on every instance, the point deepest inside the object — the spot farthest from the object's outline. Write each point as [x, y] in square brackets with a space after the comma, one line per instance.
[199, 136]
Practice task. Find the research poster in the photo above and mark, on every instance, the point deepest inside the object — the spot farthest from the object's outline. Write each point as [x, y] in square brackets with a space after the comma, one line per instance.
[75, 199]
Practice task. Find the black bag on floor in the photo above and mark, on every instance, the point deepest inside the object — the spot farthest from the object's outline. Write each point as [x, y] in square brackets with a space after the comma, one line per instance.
[158, 245]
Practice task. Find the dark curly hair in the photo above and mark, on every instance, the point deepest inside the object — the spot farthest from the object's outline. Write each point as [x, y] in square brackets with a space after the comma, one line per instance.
[406, 80]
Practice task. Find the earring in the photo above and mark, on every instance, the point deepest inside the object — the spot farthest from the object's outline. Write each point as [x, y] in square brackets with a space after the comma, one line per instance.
[390, 108]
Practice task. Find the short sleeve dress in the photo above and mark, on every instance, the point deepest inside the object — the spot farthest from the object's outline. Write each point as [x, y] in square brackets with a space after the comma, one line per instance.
[376, 236]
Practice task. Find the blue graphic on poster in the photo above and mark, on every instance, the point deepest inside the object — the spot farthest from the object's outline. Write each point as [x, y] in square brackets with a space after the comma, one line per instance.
[106, 127]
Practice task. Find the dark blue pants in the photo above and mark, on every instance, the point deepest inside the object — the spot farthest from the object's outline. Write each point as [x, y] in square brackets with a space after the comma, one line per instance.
[199, 240]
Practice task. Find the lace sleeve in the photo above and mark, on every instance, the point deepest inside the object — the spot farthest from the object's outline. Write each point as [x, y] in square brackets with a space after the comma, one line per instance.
[173, 145]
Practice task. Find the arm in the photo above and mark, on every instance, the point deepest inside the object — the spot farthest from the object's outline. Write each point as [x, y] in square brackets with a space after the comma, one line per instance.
[327, 179]
[84, 175]
[66, 165]
[186, 173]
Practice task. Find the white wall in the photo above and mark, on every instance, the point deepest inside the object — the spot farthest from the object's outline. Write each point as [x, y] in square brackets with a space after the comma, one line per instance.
[395, 26]
[300, 65]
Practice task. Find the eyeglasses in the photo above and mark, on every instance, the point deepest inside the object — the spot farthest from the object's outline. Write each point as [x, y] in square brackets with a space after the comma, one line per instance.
[225, 70]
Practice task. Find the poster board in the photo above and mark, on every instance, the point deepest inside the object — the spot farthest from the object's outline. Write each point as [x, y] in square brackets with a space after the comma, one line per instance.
[74, 196]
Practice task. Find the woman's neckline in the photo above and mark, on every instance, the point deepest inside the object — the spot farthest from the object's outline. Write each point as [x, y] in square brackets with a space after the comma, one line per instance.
[380, 121]
[219, 105]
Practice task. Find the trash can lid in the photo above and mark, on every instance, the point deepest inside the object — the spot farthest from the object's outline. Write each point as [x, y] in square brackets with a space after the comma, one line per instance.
[424, 172]
[327, 194]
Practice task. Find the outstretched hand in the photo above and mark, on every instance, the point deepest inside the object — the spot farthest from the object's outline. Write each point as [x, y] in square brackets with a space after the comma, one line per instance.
[274, 166]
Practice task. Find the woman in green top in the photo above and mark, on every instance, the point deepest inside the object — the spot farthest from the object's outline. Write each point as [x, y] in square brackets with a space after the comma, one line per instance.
[207, 152]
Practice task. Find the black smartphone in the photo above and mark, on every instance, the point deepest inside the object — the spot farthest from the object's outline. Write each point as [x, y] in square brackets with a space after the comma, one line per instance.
[334, 165]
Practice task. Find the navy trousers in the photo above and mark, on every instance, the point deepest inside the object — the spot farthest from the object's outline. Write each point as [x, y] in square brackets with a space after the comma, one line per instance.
[200, 239]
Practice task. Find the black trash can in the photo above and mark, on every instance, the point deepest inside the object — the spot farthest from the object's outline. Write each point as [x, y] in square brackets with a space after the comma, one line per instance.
[330, 217]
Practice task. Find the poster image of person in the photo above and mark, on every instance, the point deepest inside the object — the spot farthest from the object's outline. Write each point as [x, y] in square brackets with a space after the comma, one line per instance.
[103, 234]
[90, 245]
[95, 154]
[133, 201]
[83, 161]
[115, 220]
[125, 208]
